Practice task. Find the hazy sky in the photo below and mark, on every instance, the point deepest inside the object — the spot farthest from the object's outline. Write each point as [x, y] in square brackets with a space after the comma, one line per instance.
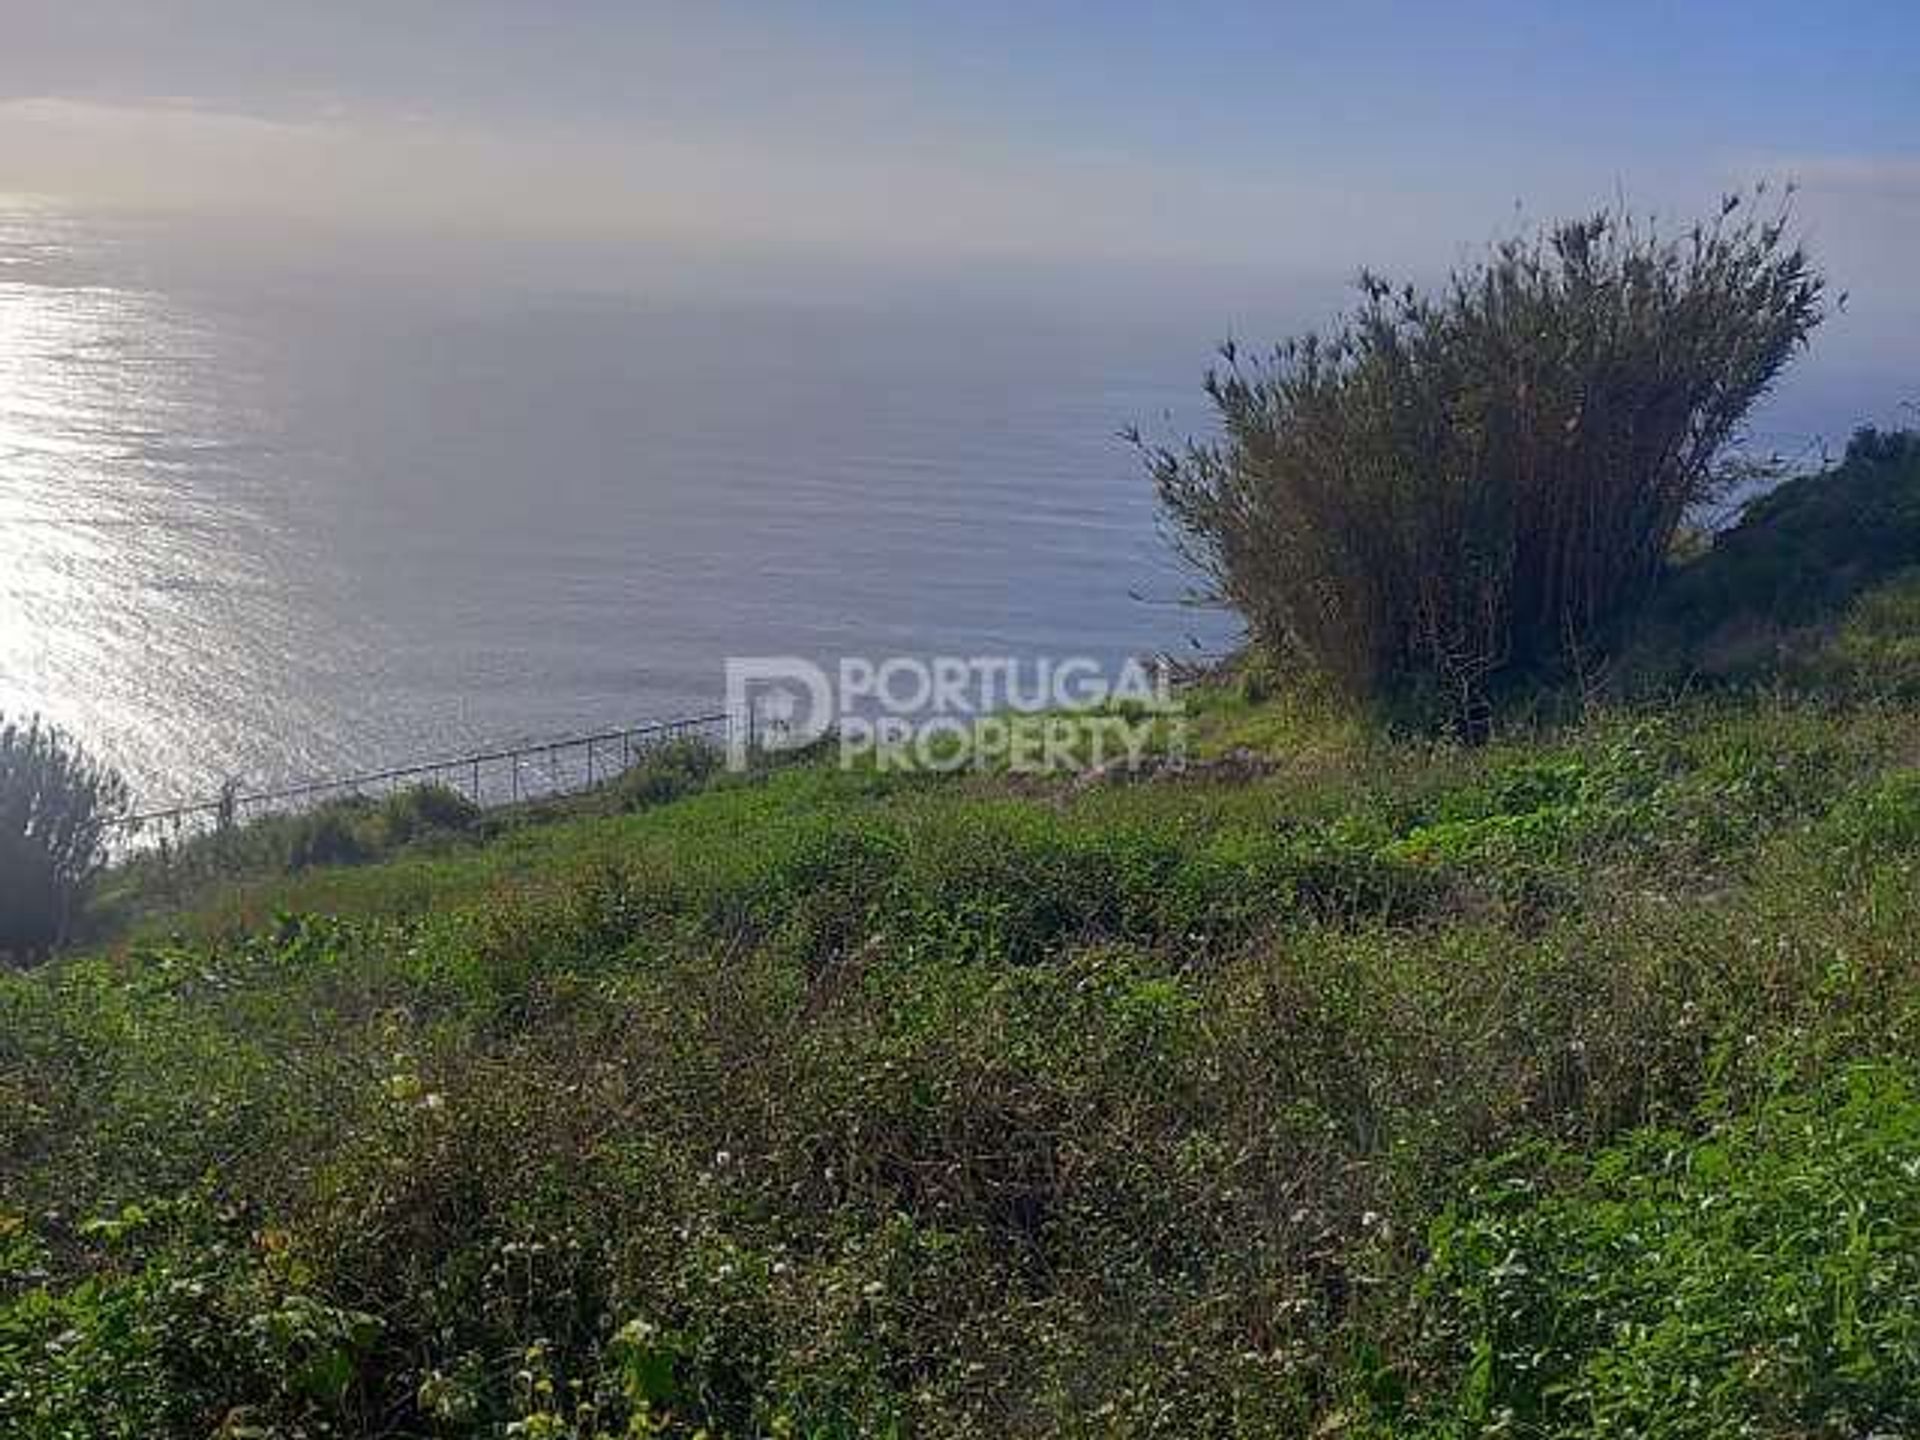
[1312, 136]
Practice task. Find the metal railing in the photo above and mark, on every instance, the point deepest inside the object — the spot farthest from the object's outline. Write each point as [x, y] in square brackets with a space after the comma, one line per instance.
[504, 775]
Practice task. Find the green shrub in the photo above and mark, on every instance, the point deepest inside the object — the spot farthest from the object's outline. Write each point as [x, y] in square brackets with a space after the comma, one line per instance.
[424, 809]
[1876, 651]
[339, 833]
[1879, 822]
[1803, 551]
[668, 771]
[1815, 585]
[180, 1329]
[57, 804]
[1449, 493]
[1762, 1278]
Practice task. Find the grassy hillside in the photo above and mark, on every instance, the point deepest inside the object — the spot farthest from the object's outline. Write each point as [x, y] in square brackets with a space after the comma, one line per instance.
[1566, 1086]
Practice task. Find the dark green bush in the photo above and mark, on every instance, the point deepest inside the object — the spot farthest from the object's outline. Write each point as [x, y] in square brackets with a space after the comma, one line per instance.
[340, 833]
[667, 772]
[57, 805]
[1764, 600]
[423, 809]
[356, 829]
[1876, 651]
[1449, 493]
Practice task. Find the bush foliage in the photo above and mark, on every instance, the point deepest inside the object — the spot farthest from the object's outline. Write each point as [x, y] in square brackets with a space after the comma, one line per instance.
[1755, 1278]
[1450, 491]
[57, 804]
[667, 771]
[1828, 555]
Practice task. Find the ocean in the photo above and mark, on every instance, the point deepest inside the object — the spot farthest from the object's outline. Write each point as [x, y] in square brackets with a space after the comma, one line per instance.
[282, 524]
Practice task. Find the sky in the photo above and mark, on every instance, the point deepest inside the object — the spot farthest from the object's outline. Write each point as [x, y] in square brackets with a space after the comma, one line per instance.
[1225, 138]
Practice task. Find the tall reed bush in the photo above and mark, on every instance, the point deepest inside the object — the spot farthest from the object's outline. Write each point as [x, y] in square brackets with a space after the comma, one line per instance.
[1450, 491]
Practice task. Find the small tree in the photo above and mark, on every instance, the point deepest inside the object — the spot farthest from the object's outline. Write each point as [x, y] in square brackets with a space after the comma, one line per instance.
[56, 804]
[1450, 491]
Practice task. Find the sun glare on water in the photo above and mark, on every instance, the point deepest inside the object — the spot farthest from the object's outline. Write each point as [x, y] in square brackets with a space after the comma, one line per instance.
[49, 478]
[99, 533]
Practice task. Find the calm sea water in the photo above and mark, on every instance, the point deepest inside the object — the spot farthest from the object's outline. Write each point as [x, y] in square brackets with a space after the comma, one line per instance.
[278, 527]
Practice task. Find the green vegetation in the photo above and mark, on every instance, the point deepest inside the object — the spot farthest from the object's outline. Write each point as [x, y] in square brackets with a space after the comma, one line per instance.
[1757, 1277]
[56, 804]
[1352, 1084]
[1817, 555]
[167, 877]
[1450, 497]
